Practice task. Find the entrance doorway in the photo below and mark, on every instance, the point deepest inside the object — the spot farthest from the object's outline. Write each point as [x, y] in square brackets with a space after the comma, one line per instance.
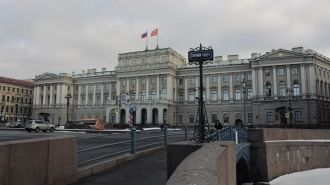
[122, 116]
[283, 119]
[154, 116]
[143, 116]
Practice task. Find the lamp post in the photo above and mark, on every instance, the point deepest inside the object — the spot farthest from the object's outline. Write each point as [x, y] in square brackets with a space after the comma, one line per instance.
[289, 91]
[17, 100]
[243, 86]
[67, 106]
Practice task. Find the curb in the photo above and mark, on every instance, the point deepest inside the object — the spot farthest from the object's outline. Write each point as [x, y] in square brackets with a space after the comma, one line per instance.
[111, 163]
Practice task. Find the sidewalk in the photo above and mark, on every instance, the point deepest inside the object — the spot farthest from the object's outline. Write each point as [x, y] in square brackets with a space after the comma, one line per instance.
[149, 169]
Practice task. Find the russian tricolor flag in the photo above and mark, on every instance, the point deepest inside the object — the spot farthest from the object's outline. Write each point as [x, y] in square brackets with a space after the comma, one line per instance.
[145, 34]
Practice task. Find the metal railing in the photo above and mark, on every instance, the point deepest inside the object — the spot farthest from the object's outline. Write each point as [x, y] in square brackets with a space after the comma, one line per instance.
[228, 134]
[133, 141]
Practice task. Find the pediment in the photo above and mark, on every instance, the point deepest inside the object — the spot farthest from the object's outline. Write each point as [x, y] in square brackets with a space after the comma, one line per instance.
[47, 76]
[281, 53]
[213, 87]
[225, 86]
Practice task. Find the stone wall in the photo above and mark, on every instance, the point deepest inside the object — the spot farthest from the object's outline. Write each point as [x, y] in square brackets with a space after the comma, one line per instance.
[207, 163]
[46, 161]
[276, 152]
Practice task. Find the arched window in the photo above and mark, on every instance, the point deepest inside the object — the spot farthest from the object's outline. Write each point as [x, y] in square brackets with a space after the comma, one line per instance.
[268, 89]
[296, 88]
[282, 89]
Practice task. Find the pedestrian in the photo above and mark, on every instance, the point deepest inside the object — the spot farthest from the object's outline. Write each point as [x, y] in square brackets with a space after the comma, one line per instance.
[218, 125]
[58, 125]
[161, 127]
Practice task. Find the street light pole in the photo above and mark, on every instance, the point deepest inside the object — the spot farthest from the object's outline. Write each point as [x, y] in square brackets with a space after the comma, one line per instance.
[289, 91]
[67, 105]
[243, 86]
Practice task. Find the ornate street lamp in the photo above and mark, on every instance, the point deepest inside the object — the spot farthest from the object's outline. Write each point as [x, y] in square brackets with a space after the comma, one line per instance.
[67, 106]
[243, 86]
[289, 91]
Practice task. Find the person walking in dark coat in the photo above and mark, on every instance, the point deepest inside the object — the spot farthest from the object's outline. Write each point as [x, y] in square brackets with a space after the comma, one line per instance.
[218, 125]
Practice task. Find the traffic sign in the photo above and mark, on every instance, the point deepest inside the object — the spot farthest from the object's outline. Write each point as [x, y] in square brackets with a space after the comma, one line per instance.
[200, 55]
[287, 115]
[116, 109]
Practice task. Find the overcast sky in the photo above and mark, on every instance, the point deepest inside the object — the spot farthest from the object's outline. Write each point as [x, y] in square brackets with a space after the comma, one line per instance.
[61, 36]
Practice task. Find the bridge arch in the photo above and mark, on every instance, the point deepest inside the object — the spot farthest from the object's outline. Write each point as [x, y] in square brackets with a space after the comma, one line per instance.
[243, 162]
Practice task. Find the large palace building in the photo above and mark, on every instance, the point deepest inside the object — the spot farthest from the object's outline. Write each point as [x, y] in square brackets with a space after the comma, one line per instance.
[162, 88]
[16, 98]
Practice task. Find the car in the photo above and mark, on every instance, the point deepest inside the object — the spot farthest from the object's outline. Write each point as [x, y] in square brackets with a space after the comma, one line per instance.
[37, 125]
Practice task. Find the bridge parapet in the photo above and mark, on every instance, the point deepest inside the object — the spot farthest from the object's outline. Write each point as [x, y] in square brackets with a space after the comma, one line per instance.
[276, 152]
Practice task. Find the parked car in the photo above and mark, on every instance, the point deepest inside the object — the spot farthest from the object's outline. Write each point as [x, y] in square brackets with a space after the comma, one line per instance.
[92, 123]
[38, 125]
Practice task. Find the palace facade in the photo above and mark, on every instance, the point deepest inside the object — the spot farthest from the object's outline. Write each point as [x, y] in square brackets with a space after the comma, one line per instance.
[162, 87]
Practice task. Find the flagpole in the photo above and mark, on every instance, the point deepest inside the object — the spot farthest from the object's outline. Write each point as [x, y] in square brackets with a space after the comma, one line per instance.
[147, 41]
[157, 38]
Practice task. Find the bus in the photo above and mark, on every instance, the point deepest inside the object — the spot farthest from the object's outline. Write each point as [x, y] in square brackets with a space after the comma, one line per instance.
[92, 123]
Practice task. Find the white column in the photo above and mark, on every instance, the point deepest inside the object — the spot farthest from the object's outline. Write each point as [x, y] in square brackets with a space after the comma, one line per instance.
[118, 87]
[58, 94]
[311, 79]
[219, 89]
[170, 88]
[196, 87]
[149, 115]
[110, 93]
[137, 93]
[34, 96]
[127, 85]
[185, 89]
[231, 91]
[275, 82]
[288, 75]
[175, 82]
[51, 95]
[63, 94]
[138, 115]
[44, 95]
[261, 84]
[254, 83]
[38, 95]
[157, 87]
[303, 80]
[102, 84]
[207, 90]
[118, 94]
[79, 95]
[94, 94]
[86, 94]
[147, 88]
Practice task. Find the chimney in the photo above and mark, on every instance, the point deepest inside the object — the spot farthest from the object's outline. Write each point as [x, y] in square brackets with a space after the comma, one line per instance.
[83, 71]
[88, 71]
[254, 55]
[104, 69]
[218, 58]
[298, 49]
[232, 57]
[73, 74]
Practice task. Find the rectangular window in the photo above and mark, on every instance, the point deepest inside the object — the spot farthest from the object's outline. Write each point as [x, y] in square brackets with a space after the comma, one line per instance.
[153, 80]
[76, 100]
[191, 80]
[280, 71]
[115, 86]
[249, 94]
[12, 109]
[226, 118]
[214, 95]
[214, 117]
[13, 89]
[68, 87]
[123, 82]
[106, 86]
[114, 97]
[237, 116]
[191, 96]
[180, 119]
[8, 88]
[237, 77]
[250, 117]
[133, 81]
[225, 95]
[143, 81]
[297, 115]
[164, 94]
[181, 97]
[84, 88]
[294, 70]
[76, 87]
[153, 94]
[17, 90]
[191, 118]
[143, 95]
[82, 100]
[237, 94]
[249, 77]
[98, 86]
[267, 72]
[163, 79]
[269, 116]
[180, 81]
[90, 101]
[98, 100]
[90, 87]
[214, 79]
[225, 78]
